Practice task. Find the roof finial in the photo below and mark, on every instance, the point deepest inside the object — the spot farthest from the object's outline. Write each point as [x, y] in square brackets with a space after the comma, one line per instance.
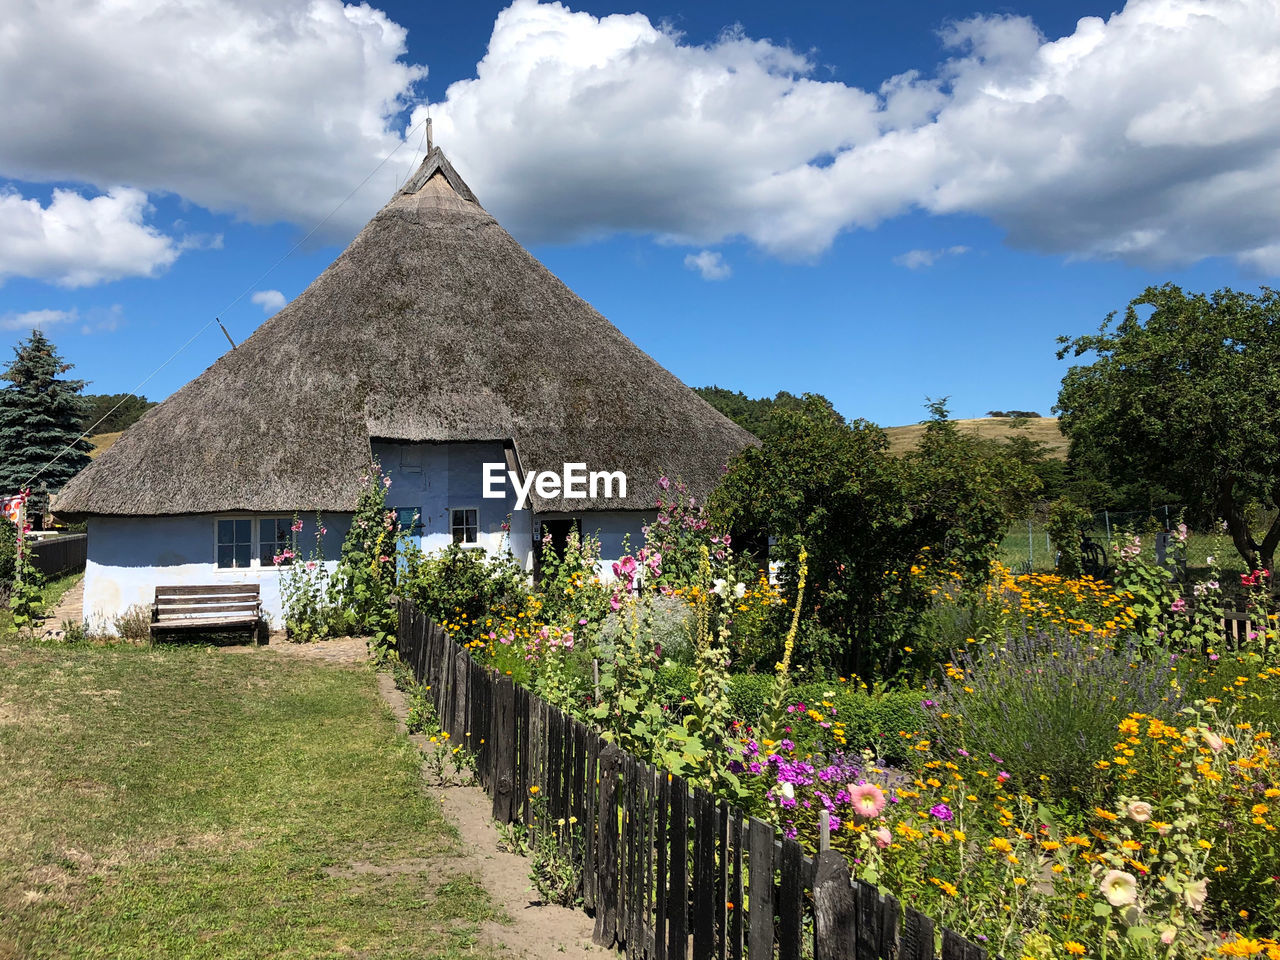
[428, 135]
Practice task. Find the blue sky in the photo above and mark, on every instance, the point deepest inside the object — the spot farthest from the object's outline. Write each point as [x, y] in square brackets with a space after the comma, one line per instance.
[744, 189]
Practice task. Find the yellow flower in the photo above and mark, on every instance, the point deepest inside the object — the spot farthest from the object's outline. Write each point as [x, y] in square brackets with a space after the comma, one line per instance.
[1073, 948]
[534, 789]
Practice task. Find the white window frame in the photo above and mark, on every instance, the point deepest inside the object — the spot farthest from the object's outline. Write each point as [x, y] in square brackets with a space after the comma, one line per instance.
[258, 543]
[255, 542]
[464, 542]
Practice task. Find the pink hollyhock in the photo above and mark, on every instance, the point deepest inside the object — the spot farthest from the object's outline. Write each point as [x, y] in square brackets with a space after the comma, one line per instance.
[867, 799]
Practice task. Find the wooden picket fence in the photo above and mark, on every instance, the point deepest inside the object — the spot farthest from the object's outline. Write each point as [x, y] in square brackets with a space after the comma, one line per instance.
[667, 870]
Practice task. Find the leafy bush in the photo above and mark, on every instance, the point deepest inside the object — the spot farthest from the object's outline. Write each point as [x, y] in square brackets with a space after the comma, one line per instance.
[1066, 519]
[459, 585]
[8, 551]
[749, 695]
[871, 720]
[1046, 708]
[365, 579]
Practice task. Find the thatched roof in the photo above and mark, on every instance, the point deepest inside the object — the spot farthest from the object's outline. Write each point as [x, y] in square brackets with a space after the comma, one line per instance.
[433, 325]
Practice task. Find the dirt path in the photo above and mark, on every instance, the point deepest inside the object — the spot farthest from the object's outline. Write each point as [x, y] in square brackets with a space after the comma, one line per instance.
[537, 930]
[69, 608]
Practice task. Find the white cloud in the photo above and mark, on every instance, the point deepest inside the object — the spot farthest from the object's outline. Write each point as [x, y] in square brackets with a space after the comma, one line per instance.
[269, 300]
[270, 111]
[37, 319]
[1152, 136]
[76, 241]
[95, 319]
[916, 259]
[709, 263]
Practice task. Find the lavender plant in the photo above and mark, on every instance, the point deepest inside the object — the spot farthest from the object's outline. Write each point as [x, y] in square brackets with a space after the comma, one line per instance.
[1046, 708]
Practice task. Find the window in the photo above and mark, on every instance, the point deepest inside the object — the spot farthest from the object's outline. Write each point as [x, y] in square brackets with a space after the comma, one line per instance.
[273, 537]
[409, 519]
[412, 456]
[465, 524]
[235, 542]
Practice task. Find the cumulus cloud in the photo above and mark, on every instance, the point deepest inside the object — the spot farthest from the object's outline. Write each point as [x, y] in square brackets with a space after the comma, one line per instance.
[709, 263]
[78, 241]
[37, 319]
[269, 111]
[916, 259]
[95, 319]
[1151, 136]
[269, 300]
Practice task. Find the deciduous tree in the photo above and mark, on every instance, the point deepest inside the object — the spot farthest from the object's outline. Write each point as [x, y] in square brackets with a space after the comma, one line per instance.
[1183, 393]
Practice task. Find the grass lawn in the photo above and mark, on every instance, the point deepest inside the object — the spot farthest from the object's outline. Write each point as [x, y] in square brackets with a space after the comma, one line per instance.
[186, 802]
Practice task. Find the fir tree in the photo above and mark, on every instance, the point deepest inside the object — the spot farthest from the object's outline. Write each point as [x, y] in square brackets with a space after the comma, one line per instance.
[40, 415]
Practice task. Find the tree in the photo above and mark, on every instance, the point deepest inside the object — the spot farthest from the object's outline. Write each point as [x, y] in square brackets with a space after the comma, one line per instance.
[39, 418]
[757, 416]
[113, 412]
[866, 517]
[1186, 401]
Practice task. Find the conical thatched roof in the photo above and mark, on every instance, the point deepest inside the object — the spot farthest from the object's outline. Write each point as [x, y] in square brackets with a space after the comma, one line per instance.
[433, 325]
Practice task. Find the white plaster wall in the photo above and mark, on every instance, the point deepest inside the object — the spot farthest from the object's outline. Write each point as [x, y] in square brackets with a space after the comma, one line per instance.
[130, 556]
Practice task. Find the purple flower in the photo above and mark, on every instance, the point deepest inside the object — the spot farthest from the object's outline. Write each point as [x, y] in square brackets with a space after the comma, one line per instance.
[942, 812]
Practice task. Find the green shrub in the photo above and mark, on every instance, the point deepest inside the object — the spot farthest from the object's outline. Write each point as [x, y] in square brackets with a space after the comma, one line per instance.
[749, 695]
[456, 583]
[8, 555]
[872, 721]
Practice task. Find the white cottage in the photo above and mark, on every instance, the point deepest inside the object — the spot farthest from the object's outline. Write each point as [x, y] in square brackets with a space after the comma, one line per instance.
[436, 344]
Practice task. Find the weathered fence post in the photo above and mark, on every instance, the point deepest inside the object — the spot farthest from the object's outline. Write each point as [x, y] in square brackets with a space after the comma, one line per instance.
[502, 740]
[834, 909]
[760, 866]
[607, 849]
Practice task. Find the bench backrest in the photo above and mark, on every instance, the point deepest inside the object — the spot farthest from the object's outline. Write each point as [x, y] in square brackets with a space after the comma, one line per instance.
[232, 600]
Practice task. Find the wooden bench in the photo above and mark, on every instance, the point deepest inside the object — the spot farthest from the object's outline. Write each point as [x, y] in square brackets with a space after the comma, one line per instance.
[208, 609]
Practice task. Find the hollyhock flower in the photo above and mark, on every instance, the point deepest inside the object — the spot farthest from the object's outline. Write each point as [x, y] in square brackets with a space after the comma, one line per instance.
[1195, 894]
[663, 483]
[615, 603]
[1119, 888]
[386, 481]
[1178, 606]
[883, 837]
[788, 791]
[1140, 811]
[311, 564]
[867, 799]
[718, 588]
[297, 526]
[740, 590]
